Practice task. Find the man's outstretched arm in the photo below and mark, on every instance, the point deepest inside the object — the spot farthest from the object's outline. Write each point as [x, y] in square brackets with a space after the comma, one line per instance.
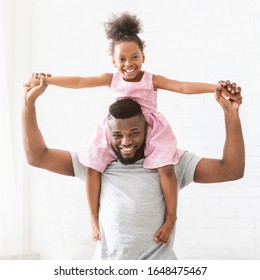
[232, 165]
[36, 150]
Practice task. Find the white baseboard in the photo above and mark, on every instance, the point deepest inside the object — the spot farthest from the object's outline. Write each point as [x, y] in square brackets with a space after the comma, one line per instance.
[23, 256]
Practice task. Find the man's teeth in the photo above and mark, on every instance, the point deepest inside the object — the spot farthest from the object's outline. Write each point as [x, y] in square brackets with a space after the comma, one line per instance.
[127, 149]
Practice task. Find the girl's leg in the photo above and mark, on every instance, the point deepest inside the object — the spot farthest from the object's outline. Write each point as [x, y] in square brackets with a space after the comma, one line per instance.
[169, 189]
[93, 186]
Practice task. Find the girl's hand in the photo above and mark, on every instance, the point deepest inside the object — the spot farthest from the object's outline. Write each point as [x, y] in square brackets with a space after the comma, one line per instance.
[34, 80]
[232, 91]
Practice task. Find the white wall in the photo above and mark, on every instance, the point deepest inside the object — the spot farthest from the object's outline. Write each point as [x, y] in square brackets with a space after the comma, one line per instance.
[15, 53]
[186, 40]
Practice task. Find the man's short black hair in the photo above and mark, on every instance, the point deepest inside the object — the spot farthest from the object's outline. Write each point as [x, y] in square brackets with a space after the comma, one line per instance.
[125, 108]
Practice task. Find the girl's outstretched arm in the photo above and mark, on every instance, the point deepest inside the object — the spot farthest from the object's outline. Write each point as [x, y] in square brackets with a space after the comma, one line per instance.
[161, 82]
[72, 81]
[233, 92]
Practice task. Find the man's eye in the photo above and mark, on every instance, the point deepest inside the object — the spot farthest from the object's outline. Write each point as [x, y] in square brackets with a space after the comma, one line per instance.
[134, 133]
[117, 136]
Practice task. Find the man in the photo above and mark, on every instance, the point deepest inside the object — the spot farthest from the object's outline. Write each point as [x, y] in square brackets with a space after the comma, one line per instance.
[131, 202]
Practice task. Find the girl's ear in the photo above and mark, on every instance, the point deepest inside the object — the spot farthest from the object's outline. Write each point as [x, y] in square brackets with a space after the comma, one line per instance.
[143, 58]
[113, 61]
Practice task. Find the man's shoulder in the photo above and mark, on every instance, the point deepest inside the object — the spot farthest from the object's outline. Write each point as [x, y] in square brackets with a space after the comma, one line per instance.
[184, 169]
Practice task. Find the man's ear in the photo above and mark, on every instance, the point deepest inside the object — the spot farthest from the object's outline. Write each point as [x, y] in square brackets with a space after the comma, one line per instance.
[145, 128]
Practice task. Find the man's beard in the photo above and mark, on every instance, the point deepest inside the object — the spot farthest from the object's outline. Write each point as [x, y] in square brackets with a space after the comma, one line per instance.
[139, 154]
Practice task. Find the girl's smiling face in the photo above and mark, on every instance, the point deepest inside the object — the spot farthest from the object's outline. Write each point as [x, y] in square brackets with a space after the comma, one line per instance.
[128, 59]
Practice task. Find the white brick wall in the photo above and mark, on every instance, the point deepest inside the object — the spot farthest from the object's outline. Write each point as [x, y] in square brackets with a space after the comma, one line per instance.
[186, 40]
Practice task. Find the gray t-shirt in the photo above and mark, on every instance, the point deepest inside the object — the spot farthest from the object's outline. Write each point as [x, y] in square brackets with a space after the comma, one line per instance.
[132, 209]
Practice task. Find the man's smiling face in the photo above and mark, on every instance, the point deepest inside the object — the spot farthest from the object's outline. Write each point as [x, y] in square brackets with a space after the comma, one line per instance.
[128, 138]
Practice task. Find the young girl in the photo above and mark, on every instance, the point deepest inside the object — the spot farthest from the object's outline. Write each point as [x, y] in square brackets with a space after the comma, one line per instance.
[130, 81]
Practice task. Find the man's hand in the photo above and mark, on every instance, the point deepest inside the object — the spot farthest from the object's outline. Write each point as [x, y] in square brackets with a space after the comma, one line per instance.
[35, 79]
[33, 92]
[232, 92]
[221, 95]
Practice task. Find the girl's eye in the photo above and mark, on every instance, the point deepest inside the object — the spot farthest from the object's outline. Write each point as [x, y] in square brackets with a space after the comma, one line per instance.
[135, 57]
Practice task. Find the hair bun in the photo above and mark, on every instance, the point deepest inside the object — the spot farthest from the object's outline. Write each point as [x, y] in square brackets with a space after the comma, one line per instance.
[122, 26]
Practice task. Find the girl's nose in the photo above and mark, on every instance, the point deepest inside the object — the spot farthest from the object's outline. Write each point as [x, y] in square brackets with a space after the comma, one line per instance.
[128, 62]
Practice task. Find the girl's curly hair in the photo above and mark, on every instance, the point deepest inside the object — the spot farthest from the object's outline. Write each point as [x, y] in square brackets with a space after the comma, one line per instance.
[123, 28]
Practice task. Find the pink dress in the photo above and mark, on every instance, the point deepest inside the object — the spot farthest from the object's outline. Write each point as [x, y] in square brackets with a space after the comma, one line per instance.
[161, 147]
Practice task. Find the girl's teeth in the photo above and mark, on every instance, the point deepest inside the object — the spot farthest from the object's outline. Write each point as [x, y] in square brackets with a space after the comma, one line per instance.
[130, 71]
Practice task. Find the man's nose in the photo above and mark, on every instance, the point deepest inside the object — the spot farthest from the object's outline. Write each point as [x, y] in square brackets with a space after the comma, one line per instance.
[126, 141]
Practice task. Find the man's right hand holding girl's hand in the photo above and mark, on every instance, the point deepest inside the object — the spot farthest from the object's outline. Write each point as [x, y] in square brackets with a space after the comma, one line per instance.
[34, 80]
[232, 91]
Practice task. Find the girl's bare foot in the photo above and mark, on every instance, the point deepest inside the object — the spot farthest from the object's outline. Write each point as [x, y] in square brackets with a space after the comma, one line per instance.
[96, 231]
[163, 234]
